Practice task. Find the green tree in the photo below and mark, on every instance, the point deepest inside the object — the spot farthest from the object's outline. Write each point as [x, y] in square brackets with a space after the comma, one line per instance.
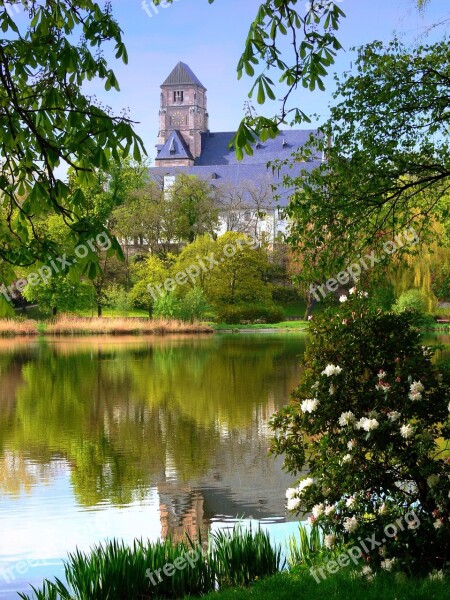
[194, 205]
[239, 274]
[46, 122]
[60, 293]
[147, 274]
[388, 165]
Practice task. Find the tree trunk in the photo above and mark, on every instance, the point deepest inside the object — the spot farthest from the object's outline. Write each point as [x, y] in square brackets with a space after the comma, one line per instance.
[99, 310]
[54, 311]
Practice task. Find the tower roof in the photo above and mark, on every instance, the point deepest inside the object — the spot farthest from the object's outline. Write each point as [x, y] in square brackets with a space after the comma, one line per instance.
[174, 148]
[182, 74]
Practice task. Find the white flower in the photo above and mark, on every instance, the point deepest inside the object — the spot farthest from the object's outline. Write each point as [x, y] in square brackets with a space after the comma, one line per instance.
[437, 575]
[438, 524]
[388, 564]
[309, 406]
[366, 571]
[350, 502]
[331, 390]
[347, 458]
[406, 431]
[448, 407]
[352, 291]
[329, 510]
[382, 374]
[367, 424]
[346, 418]
[331, 370]
[315, 386]
[304, 484]
[310, 318]
[343, 298]
[383, 386]
[291, 492]
[329, 540]
[293, 503]
[415, 396]
[363, 294]
[416, 387]
[351, 444]
[351, 524]
[394, 416]
[317, 510]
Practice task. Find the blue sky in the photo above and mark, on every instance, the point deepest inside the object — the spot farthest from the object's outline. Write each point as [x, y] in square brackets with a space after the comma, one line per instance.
[210, 38]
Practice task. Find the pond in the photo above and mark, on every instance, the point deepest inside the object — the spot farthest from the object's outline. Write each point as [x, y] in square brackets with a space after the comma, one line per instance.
[136, 437]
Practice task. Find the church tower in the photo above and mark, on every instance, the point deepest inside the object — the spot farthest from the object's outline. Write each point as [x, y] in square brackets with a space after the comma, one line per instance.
[183, 117]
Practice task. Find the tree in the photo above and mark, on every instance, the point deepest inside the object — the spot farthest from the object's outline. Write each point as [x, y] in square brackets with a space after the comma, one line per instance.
[368, 421]
[194, 206]
[147, 274]
[388, 165]
[60, 293]
[46, 122]
[239, 275]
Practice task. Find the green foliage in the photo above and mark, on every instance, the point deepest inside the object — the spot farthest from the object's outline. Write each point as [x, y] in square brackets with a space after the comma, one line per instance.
[46, 122]
[114, 570]
[308, 549]
[194, 305]
[412, 299]
[60, 293]
[241, 556]
[234, 314]
[378, 179]
[147, 274]
[441, 282]
[167, 306]
[285, 294]
[370, 421]
[117, 298]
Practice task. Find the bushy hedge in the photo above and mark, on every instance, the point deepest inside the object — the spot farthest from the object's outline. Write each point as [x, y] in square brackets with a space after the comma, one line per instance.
[370, 421]
[234, 314]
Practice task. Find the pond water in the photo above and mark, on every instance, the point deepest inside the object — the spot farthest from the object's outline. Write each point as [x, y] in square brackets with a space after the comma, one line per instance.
[136, 437]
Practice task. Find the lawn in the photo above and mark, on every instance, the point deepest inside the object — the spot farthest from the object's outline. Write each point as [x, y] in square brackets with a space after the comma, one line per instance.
[341, 586]
[283, 326]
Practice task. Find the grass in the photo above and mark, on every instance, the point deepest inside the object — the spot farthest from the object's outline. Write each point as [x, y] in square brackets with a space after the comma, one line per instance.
[283, 326]
[300, 584]
[114, 571]
[71, 326]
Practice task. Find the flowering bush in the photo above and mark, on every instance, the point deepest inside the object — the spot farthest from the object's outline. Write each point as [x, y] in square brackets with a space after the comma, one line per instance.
[370, 423]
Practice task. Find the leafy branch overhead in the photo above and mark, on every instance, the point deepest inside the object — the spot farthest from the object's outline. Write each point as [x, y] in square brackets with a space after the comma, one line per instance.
[313, 43]
[388, 160]
[47, 123]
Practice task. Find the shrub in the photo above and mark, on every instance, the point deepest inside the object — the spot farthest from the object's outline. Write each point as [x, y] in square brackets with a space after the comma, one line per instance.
[194, 305]
[235, 314]
[167, 306]
[285, 294]
[369, 419]
[412, 299]
[117, 298]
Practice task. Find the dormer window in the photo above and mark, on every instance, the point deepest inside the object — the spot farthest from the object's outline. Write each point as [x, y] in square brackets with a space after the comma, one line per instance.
[178, 96]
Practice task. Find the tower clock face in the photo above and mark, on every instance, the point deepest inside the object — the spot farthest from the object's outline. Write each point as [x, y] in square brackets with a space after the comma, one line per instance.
[177, 119]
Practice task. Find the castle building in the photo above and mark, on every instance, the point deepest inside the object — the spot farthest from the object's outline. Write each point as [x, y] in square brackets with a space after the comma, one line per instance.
[248, 202]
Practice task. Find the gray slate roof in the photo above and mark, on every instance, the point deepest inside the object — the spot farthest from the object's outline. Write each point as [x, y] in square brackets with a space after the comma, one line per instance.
[182, 75]
[219, 165]
[215, 149]
[174, 148]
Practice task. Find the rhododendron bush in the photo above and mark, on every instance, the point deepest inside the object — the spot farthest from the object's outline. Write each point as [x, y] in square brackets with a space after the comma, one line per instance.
[368, 429]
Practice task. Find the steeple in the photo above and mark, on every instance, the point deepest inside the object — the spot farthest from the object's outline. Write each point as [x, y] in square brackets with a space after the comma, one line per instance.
[184, 110]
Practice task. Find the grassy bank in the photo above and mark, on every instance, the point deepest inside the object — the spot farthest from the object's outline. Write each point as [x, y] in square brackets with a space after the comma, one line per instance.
[341, 586]
[71, 326]
[283, 326]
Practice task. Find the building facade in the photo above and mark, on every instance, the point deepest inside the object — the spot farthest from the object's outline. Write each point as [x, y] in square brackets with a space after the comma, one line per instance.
[250, 195]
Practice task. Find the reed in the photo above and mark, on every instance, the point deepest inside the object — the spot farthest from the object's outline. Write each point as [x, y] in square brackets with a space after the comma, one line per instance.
[114, 571]
[79, 326]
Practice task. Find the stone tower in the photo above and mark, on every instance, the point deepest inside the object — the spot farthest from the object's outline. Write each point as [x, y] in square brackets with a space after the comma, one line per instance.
[183, 117]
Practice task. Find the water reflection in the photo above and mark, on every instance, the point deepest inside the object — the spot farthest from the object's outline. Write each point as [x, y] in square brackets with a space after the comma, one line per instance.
[137, 437]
